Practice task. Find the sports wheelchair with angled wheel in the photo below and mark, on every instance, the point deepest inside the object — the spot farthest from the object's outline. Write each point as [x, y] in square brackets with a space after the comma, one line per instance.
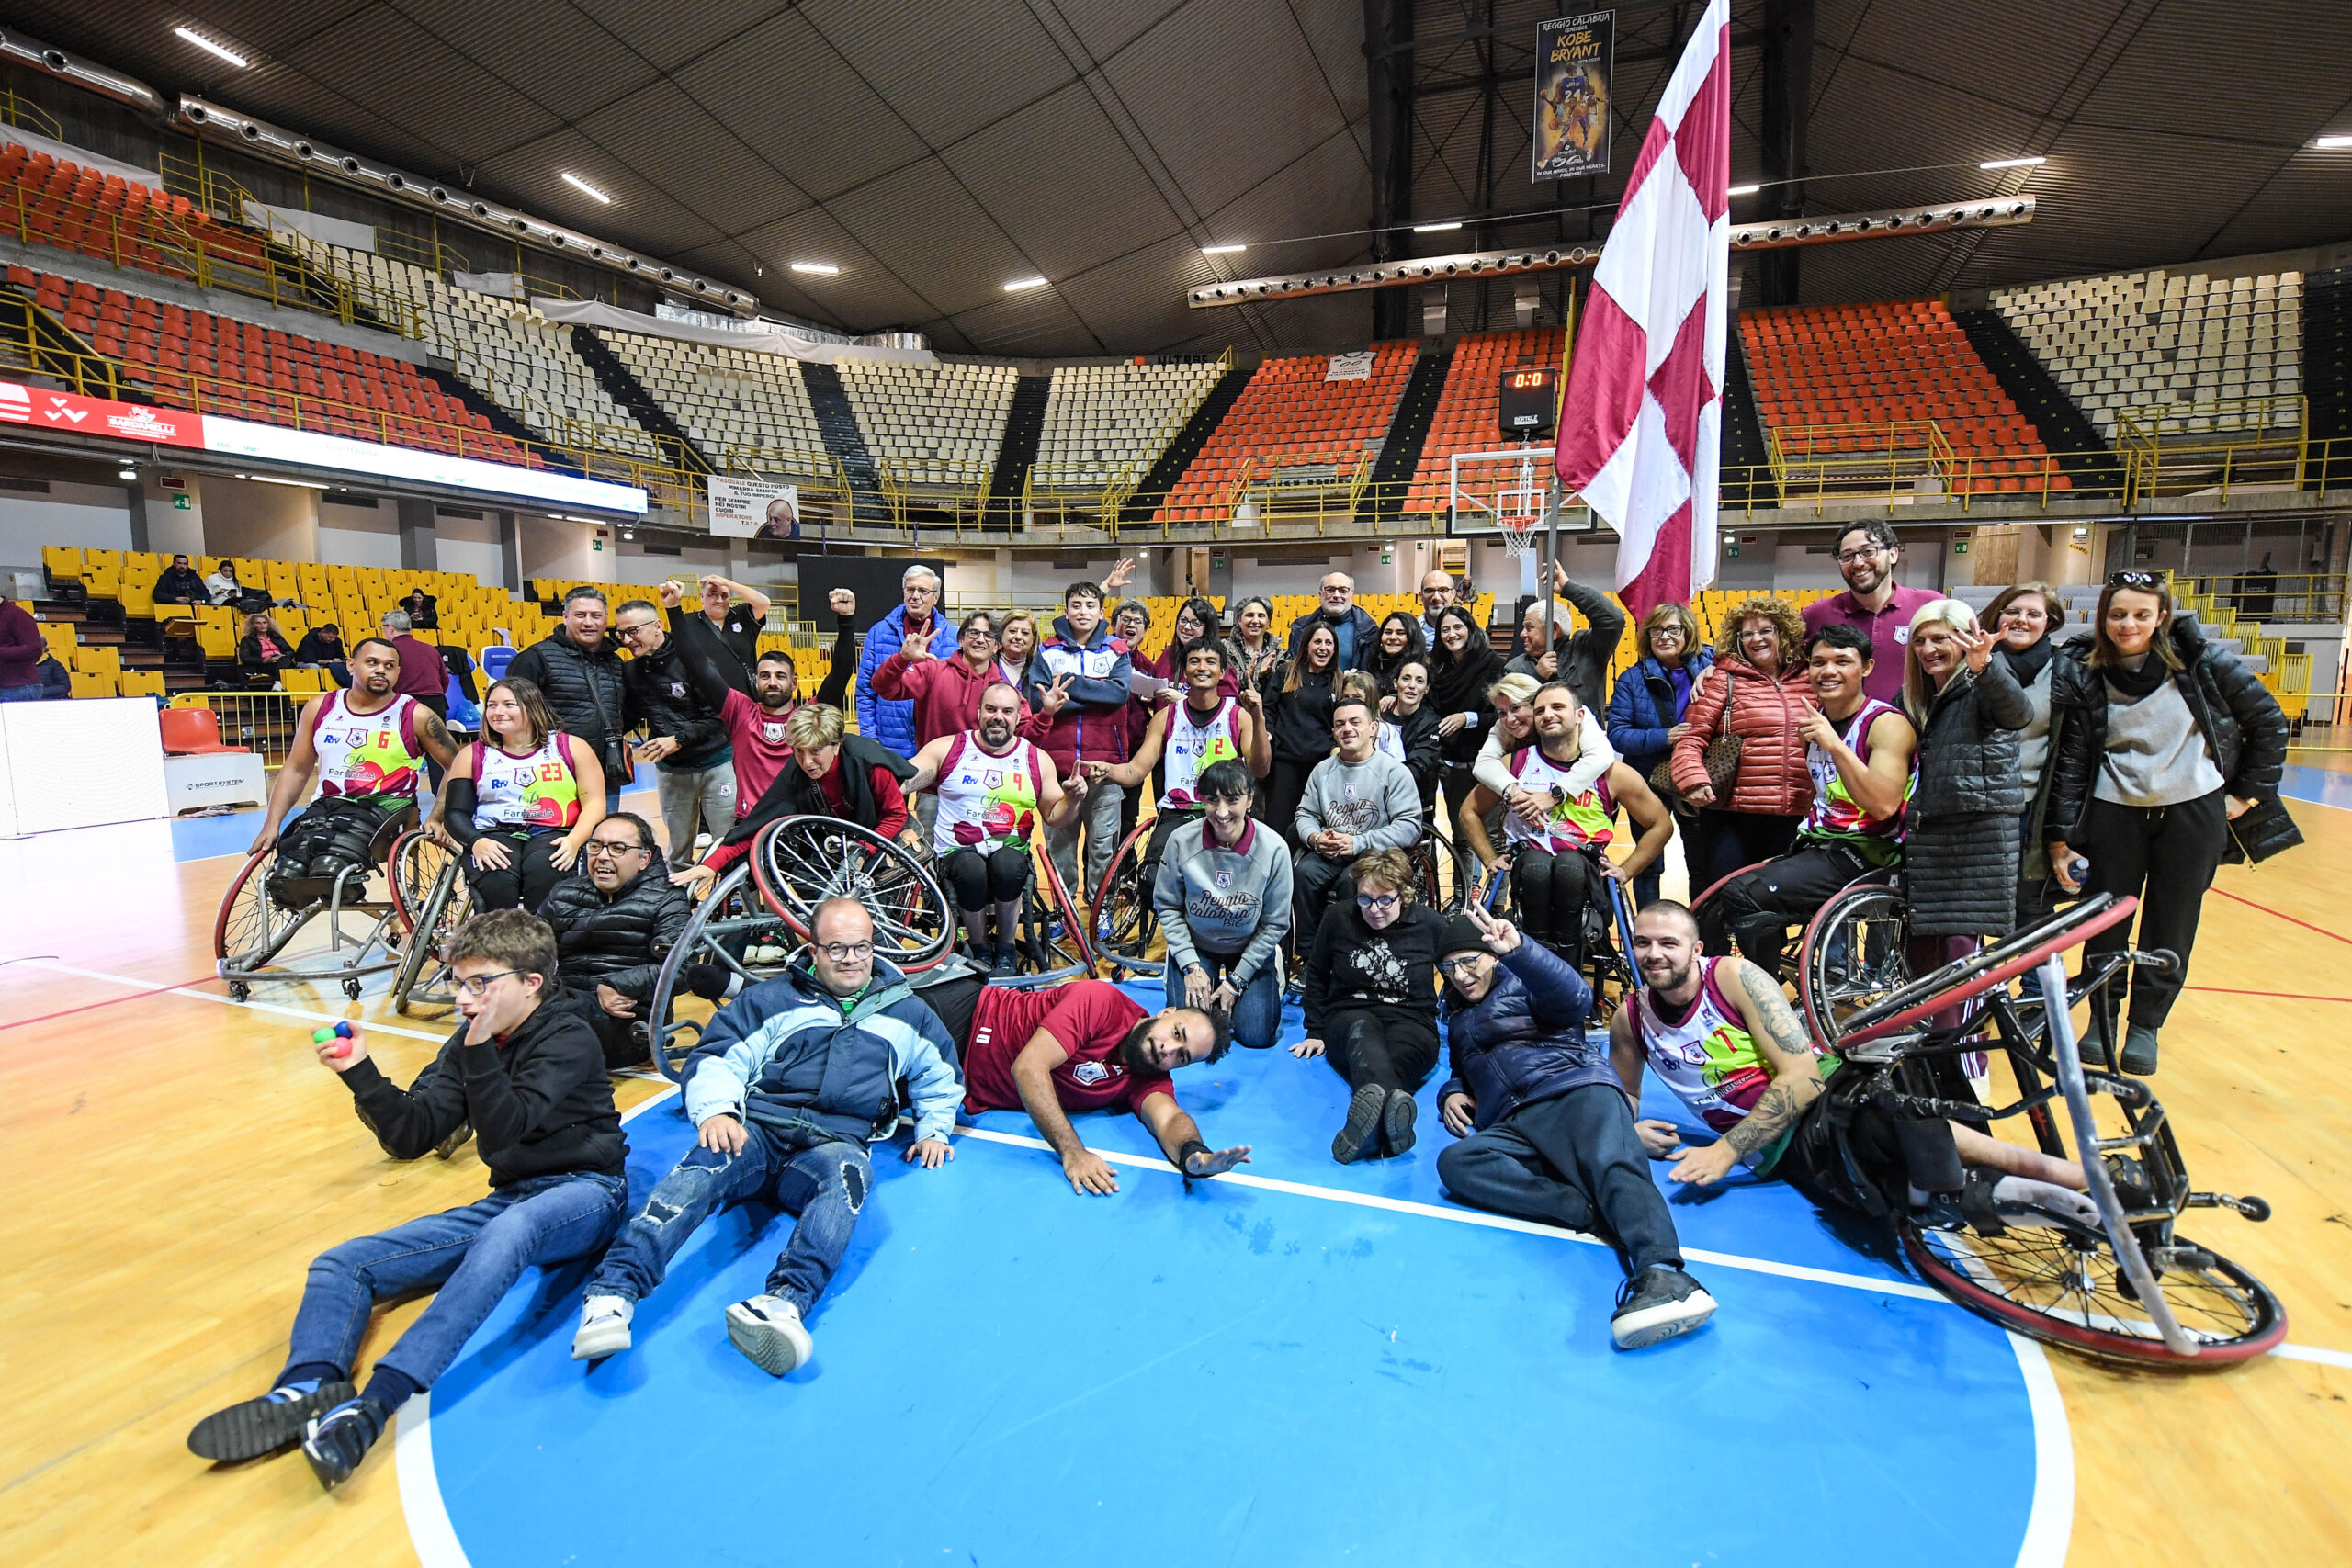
[1125, 927]
[2131, 1289]
[432, 898]
[1605, 956]
[1853, 951]
[329, 877]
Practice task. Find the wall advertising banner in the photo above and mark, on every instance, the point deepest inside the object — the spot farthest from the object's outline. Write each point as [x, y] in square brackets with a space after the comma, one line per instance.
[45, 410]
[1575, 72]
[753, 509]
[1355, 366]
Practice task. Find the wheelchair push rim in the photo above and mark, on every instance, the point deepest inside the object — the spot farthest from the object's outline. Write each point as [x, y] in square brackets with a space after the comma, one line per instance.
[734, 909]
[1854, 955]
[429, 920]
[801, 861]
[1124, 922]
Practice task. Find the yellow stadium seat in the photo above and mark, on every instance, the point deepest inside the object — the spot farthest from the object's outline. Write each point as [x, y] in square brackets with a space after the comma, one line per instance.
[60, 560]
[93, 685]
[60, 638]
[142, 683]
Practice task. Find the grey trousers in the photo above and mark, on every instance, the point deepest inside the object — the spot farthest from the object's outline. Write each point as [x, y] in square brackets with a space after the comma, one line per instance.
[1100, 816]
[693, 801]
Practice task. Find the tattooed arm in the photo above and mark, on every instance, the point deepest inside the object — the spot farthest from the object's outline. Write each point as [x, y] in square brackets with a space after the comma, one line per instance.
[433, 736]
[1781, 1040]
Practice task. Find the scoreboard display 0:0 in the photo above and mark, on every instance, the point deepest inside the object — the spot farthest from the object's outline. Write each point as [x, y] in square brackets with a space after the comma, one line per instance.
[1528, 401]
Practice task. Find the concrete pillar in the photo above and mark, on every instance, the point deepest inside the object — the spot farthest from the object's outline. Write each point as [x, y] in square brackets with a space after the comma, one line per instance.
[510, 552]
[417, 535]
[260, 521]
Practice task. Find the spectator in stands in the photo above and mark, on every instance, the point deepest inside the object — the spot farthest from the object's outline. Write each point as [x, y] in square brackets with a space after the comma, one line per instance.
[21, 651]
[1462, 667]
[265, 649]
[917, 615]
[832, 774]
[1223, 898]
[2179, 742]
[423, 674]
[56, 681]
[2258, 592]
[1399, 639]
[1351, 626]
[422, 610]
[223, 586]
[1407, 725]
[181, 583]
[1438, 591]
[1960, 831]
[687, 744]
[1016, 649]
[612, 928]
[737, 627]
[1645, 710]
[787, 1087]
[1082, 682]
[1257, 657]
[1858, 753]
[1370, 1002]
[1355, 801]
[1758, 691]
[1300, 727]
[322, 647]
[579, 670]
[1872, 602]
[1581, 659]
[1555, 1139]
[529, 1080]
[946, 692]
[522, 800]
[2058, 691]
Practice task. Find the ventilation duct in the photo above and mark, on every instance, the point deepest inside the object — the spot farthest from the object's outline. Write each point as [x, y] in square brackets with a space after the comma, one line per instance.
[18, 49]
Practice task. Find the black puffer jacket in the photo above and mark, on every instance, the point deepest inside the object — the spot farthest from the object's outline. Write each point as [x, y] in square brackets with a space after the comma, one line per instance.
[618, 941]
[588, 692]
[1959, 842]
[671, 701]
[2242, 723]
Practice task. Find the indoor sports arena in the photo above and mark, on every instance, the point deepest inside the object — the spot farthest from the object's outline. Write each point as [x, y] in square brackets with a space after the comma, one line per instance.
[1291, 785]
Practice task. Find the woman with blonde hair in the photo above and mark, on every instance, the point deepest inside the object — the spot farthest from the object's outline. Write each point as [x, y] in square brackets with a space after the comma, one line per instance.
[1758, 692]
[1370, 1002]
[1959, 838]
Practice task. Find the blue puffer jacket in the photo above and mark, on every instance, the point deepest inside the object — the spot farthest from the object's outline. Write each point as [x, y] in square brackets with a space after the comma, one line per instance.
[1524, 1040]
[1643, 708]
[893, 724]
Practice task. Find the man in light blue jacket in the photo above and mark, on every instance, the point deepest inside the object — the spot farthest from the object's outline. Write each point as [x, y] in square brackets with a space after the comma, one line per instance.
[893, 724]
[792, 1080]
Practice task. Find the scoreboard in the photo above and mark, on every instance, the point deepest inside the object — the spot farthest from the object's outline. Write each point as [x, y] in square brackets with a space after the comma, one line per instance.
[1529, 401]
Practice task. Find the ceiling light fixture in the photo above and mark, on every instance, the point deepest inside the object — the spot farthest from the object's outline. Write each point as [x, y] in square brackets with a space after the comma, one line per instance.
[1743, 190]
[2332, 143]
[821, 269]
[2013, 163]
[576, 183]
[1436, 228]
[1222, 250]
[1018, 284]
[127, 475]
[205, 44]
[274, 479]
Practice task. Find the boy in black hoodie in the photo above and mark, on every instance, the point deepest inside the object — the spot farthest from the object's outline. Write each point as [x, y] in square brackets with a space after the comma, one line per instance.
[527, 1072]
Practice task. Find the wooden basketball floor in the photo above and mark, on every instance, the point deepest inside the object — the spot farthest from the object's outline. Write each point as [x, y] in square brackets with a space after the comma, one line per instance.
[172, 1161]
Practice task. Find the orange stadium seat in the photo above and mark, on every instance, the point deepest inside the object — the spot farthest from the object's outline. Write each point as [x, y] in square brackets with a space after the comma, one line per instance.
[1290, 414]
[1465, 419]
[193, 732]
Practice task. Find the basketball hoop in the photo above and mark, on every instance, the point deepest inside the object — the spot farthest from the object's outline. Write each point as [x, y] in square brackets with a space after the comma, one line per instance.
[1518, 532]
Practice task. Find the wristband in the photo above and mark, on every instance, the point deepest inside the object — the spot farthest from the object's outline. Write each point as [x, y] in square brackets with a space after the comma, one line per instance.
[1184, 1157]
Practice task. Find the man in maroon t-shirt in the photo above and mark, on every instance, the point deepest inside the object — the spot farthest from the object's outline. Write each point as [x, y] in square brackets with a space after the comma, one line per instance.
[1872, 603]
[1086, 1045]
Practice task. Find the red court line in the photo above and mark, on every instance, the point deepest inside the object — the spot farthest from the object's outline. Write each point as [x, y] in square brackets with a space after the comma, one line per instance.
[110, 1001]
[2280, 996]
[2288, 918]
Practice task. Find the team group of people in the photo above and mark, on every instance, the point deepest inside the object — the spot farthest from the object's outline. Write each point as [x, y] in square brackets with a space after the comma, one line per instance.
[2008, 768]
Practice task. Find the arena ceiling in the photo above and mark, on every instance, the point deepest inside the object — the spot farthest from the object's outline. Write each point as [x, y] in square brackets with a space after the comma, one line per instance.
[936, 152]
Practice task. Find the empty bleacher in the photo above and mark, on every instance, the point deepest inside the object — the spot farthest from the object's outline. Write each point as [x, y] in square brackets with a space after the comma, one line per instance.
[51, 201]
[1293, 433]
[1106, 422]
[1857, 380]
[933, 425]
[1466, 414]
[745, 409]
[2187, 353]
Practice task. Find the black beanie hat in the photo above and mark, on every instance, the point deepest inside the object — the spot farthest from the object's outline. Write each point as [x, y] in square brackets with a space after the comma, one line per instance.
[1460, 932]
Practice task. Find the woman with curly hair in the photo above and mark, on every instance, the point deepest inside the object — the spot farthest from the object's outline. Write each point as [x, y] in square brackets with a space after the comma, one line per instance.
[1757, 692]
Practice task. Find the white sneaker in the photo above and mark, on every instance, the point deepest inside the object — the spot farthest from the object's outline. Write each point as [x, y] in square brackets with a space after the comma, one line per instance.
[768, 1330]
[604, 1327]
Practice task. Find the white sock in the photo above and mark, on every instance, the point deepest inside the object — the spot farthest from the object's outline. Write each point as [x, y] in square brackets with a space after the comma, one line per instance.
[2024, 1201]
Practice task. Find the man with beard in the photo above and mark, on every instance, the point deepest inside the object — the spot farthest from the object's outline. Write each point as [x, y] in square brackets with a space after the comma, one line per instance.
[755, 724]
[1350, 624]
[366, 745]
[1719, 1034]
[1086, 1045]
[1872, 604]
[991, 787]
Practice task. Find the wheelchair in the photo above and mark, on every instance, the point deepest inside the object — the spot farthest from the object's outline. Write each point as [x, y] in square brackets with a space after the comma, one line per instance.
[1853, 952]
[1052, 943]
[2133, 1291]
[1125, 927]
[432, 898]
[1607, 960]
[274, 899]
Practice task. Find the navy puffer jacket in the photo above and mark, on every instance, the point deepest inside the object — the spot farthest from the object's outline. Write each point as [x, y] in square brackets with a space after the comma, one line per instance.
[1524, 1040]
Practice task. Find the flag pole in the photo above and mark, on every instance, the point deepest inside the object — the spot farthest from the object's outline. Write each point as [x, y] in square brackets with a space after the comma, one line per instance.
[1552, 512]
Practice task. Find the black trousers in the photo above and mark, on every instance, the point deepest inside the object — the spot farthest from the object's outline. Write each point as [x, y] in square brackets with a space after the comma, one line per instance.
[1572, 1160]
[1889, 1155]
[526, 880]
[1555, 892]
[1756, 908]
[956, 1000]
[624, 1039]
[2166, 855]
[1284, 784]
[1315, 880]
[1724, 842]
[978, 879]
[1393, 1048]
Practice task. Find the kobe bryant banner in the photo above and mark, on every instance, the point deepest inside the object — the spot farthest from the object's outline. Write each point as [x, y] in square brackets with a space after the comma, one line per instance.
[1575, 68]
[753, 509]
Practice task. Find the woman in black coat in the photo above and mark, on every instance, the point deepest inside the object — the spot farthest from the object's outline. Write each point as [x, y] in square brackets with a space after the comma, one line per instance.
[1298, 713]
[1369, 1000]
[2025, 619]
[1959, 838]
[1462, 667]
[2179, 743]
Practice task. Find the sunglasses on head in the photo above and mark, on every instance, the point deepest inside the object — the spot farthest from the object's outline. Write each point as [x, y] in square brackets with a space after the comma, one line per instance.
[2136, 580]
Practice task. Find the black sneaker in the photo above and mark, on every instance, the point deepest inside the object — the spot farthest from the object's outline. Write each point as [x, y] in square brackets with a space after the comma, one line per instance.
[1396, 1122]
[456, 1140]
[339, 1439]
[707, 981]
[1657, 1304]
[266, 1426]
[1361, 1136]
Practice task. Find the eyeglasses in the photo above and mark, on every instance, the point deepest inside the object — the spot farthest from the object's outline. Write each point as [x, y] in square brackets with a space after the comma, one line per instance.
[1459, 966]
[477, 986]
[628, 634]
[980, 632]
[848, 952]
[1377, 900]
[2135, 580]
[609, 847]
[1847, 557]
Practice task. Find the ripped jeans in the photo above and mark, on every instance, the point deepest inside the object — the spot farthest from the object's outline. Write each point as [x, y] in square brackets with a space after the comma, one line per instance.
[825, 1184]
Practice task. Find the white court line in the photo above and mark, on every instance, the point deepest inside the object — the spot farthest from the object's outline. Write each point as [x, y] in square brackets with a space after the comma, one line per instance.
[2050, 1522]
[225, 1001]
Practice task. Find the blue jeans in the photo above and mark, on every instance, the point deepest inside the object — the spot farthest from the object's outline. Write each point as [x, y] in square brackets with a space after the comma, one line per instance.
[20, 694]
[825, 1184]
[1257, 1014]
[473, 1255]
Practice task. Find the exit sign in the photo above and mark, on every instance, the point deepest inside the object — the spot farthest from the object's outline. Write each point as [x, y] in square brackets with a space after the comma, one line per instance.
[179, 503]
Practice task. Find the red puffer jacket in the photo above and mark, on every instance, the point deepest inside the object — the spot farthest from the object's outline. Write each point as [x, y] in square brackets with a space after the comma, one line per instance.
[1764, 714]
[947, 695]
